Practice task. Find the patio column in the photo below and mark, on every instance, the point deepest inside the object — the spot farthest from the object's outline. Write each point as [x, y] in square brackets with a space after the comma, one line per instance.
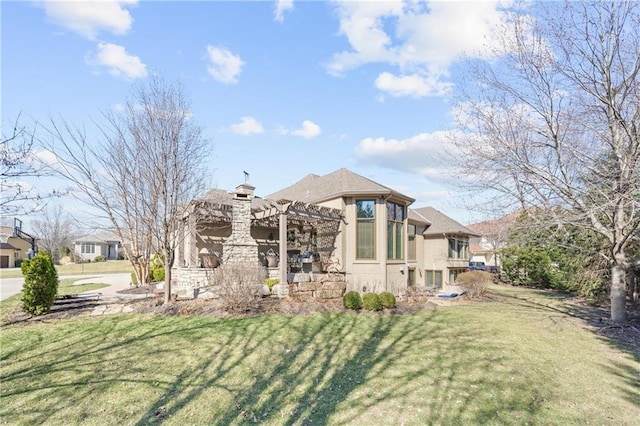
[191, 239]
[282, 235]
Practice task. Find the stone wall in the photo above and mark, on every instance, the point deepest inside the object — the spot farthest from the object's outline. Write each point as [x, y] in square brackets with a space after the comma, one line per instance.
[185, 281]
[191, 282]
[240, 247]
[318, 290]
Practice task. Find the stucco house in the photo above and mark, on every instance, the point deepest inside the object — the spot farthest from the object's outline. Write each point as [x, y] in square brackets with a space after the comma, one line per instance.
[13, 249]
[445, 247]
[105, 244]
[340, 222]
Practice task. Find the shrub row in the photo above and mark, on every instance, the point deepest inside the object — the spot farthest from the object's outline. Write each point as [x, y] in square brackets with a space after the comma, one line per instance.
[369, 301]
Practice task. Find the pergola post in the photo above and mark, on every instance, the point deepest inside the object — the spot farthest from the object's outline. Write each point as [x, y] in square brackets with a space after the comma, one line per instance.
[191, 240]
[282, 235]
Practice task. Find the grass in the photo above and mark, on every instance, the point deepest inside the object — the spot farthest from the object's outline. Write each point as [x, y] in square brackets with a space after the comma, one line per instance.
[109, 267]
[519, 361]
[65, 287]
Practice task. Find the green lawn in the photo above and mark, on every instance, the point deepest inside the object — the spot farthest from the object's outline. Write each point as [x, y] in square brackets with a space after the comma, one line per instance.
[109, 267]
[520, 361]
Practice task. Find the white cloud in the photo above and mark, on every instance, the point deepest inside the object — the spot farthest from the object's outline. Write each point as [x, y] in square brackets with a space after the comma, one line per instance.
[411, 85]
[428, 154]
[117, 61]
[247, 126]
[308, 130]
[89, 17]
[223, 66]
[280, 8]
[421, 39]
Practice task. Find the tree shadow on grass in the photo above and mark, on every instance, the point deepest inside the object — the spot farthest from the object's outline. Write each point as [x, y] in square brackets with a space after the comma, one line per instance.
[595, 318]
[329, 368]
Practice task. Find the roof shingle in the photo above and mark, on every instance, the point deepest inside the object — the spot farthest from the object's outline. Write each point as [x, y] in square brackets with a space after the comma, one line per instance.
[343, 182]
[442, 224]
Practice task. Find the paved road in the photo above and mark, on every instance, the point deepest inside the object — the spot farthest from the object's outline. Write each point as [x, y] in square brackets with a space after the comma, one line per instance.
[11, 286]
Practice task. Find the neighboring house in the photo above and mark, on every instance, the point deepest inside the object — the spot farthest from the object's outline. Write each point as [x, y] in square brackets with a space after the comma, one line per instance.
[13, 249]
[492, 235]
[445, 246]
[105, 244]
[340, 221]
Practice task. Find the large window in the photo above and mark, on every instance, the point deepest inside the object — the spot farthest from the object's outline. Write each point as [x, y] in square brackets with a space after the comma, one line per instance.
[88, 248]
[458, 248]
[395, 226]
[453, 274]
[366, 229]
[411, 277]
[433, 278]
[411, 242]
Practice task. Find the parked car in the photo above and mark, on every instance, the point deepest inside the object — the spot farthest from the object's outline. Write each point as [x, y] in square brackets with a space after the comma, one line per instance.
[477, 266]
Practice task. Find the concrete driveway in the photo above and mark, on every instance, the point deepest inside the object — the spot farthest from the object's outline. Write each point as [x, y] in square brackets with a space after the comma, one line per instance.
[12, 286]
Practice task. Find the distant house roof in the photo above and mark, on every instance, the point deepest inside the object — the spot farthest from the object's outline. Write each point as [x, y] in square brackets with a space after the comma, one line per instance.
[101, 237]
[442, 224]
[496, 226]
[343, 182]
[8, 246]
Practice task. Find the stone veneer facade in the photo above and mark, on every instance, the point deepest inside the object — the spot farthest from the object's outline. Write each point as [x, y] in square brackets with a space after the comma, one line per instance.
[240, 247]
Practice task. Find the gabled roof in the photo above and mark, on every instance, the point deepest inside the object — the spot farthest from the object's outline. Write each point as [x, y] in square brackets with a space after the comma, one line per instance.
[442, 224]
[341, 183]
[7, 246]
[101, 237]
[416, 217]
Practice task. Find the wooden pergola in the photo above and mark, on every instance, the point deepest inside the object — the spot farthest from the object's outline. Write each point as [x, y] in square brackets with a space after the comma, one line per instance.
[281, 214]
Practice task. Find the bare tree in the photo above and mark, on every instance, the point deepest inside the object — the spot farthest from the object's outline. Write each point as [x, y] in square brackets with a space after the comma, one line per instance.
[552, 123]
[142, 173]
[18, 162]
[55, 230]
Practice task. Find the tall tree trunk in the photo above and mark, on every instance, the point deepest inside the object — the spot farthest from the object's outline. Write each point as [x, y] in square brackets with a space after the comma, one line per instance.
[618, 291]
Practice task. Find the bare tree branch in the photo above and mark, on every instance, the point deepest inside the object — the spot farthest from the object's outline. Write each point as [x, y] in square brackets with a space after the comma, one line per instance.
[553, 123]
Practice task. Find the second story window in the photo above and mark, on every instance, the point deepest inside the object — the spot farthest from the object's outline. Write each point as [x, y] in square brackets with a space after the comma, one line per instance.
[458, 248]
[411, 242]
[366, 229]
[395, 231]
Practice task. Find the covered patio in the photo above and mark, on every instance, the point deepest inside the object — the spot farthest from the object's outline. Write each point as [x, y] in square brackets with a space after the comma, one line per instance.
[291, 238]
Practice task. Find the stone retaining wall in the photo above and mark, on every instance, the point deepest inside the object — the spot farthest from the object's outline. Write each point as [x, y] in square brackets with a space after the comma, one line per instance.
[318, 290]
[186, 282]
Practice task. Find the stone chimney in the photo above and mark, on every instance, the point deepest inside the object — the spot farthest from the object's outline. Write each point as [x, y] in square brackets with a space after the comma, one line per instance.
[240, 247]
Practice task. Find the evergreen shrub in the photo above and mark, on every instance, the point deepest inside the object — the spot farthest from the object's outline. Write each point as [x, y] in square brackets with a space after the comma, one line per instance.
[352, 300]
[388, 300]
[40, 284]
[371, 302]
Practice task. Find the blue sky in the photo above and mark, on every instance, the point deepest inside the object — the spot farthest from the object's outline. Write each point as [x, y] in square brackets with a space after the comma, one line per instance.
[282, 89]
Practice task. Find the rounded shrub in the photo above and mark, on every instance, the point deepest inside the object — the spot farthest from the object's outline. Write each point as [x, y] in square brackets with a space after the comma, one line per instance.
[100, 258]
[352, 300]
[474, 283]
[387, 299]
[158, 274]
[40, 284]
[156, 264]
[371, 302]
